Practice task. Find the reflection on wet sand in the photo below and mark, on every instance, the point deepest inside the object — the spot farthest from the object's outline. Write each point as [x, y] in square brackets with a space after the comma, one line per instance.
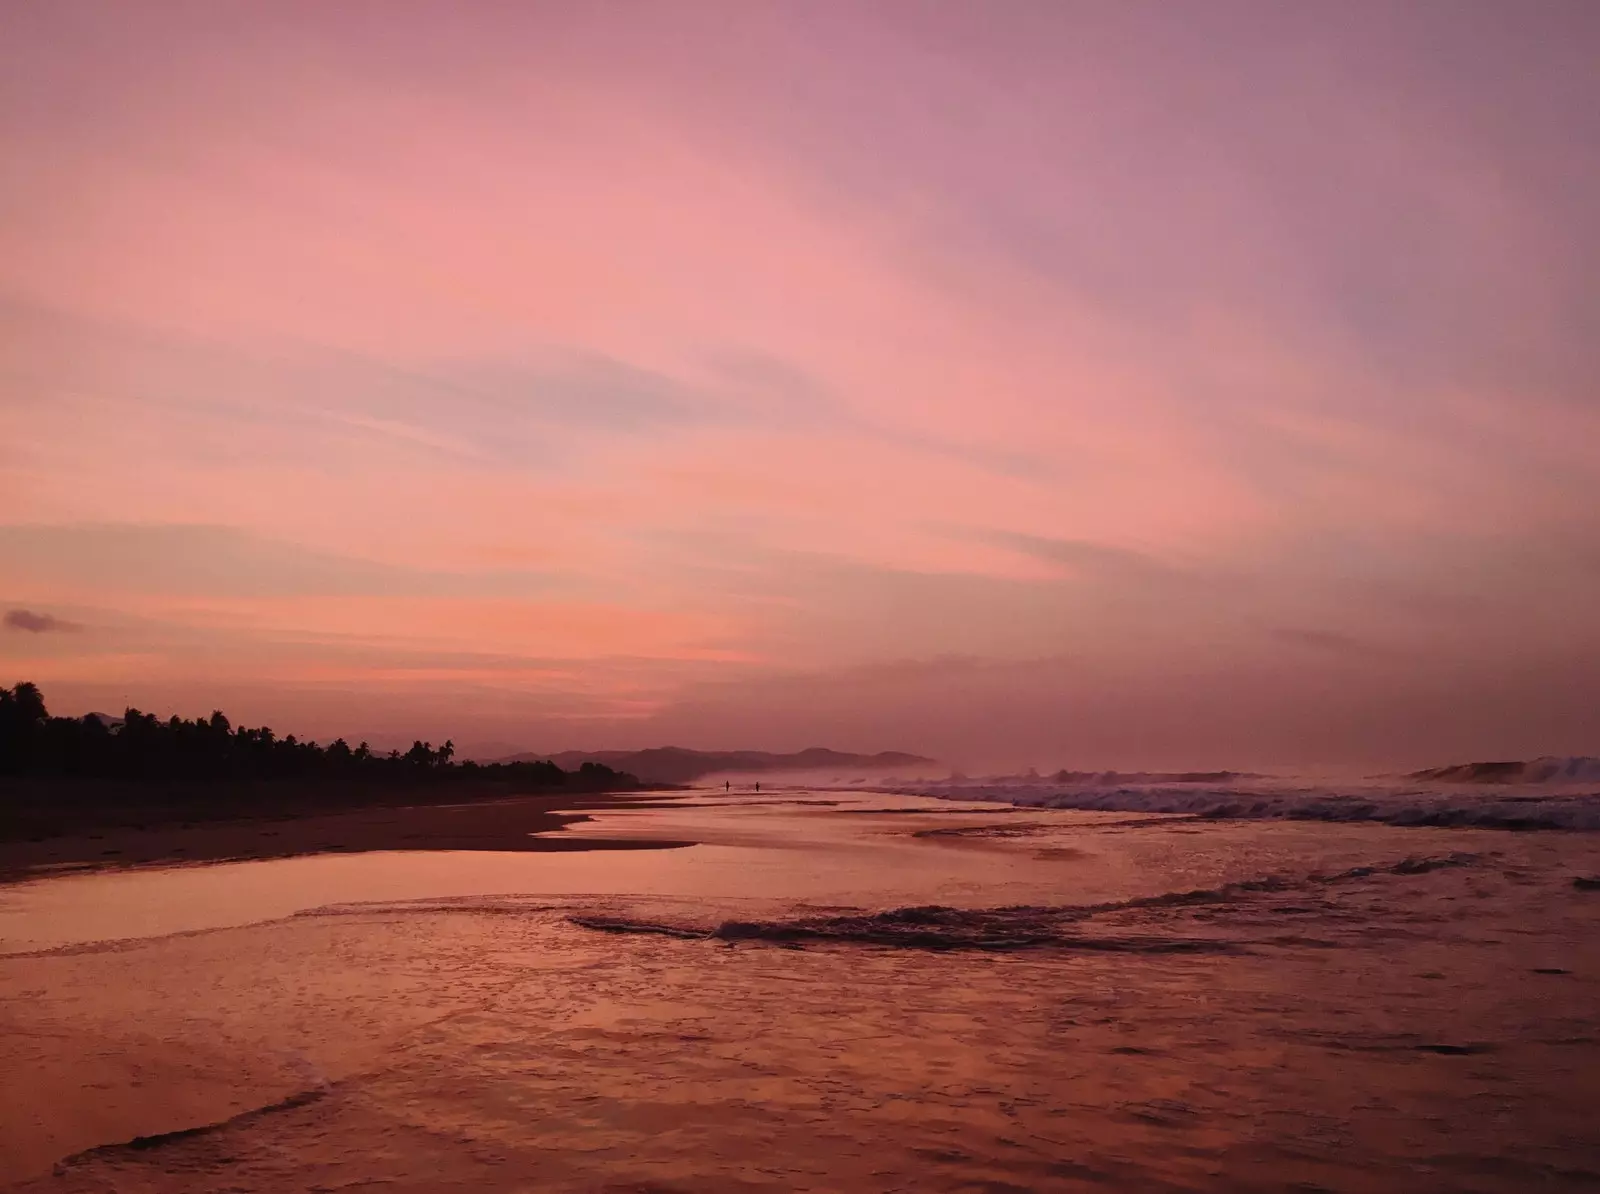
[835, 995]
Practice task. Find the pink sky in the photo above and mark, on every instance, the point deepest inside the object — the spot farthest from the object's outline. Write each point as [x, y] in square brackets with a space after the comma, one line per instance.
[1091, 384]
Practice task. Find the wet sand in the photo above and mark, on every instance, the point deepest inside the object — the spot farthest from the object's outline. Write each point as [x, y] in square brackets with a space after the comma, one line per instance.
[1092, 1002]
[507, 824]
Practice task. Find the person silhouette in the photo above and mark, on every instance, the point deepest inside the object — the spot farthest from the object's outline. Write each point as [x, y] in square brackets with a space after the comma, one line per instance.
[727, 785]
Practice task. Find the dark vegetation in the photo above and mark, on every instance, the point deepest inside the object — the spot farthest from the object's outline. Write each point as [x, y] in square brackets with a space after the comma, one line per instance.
[61, 774]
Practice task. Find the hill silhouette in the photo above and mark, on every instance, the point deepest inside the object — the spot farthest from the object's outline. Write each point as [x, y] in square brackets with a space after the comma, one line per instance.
[680, 765]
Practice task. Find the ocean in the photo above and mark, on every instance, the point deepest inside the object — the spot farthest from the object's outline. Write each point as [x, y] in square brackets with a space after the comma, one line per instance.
[1088, 984]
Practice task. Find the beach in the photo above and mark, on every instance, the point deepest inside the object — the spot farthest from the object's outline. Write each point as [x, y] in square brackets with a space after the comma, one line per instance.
[942, 598]
[509, 824]
[830, 991]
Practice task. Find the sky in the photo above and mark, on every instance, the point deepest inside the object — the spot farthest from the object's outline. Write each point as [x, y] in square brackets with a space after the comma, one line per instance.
[1093, 384]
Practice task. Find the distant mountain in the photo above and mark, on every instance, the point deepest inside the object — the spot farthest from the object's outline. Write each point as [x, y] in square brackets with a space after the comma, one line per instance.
[678, 765]
[1105, 778]
[1577, 769]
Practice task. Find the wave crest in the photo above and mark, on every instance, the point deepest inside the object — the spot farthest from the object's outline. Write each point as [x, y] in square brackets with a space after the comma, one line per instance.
[1402, 806]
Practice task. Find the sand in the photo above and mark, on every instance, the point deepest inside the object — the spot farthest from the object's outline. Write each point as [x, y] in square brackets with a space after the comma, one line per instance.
[499, 825]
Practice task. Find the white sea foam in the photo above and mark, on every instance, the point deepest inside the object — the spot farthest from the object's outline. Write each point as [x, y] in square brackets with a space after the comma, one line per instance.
[1546, 804]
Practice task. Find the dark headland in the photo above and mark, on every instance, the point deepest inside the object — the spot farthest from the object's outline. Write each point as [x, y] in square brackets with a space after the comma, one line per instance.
[97, 791]
[679, 765]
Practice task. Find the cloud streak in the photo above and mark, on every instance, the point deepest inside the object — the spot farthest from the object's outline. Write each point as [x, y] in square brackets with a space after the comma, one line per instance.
[30, 622]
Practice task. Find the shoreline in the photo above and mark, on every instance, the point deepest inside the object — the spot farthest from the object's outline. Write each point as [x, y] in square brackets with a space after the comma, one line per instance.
[490, 822]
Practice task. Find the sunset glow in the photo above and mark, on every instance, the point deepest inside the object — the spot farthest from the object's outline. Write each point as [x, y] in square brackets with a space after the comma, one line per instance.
[1107, 384]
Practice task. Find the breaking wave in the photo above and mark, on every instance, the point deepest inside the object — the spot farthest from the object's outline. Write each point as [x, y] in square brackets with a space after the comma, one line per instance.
[1438, 805]
[293, 1102]
[930, 927]
[1580, 769]
[936, 927]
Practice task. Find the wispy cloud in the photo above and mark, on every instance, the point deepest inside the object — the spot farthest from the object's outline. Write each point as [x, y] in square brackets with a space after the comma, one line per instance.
[769, 390]
[219, 561]
[31, 622]
[1333, 643]
[1080, 556]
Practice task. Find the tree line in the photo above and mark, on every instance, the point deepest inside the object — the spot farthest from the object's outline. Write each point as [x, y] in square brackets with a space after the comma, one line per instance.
[144, 747]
